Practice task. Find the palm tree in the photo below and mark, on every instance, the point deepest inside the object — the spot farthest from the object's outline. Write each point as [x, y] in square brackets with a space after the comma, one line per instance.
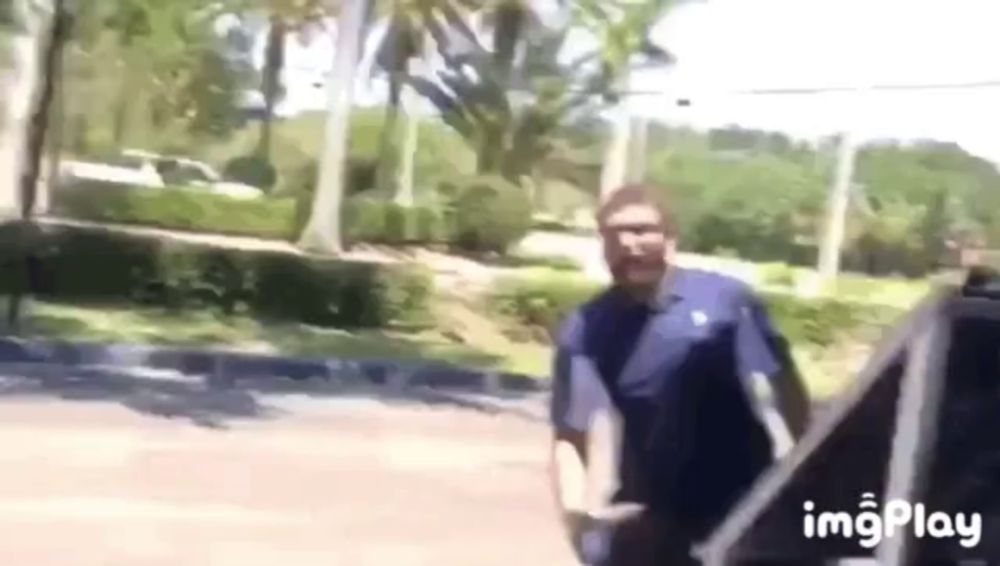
[23, 26]
[509, 22]
[322, 231]
[623, 29]
[410, 34]
[50, 28]
[284, 17]
[513, 126]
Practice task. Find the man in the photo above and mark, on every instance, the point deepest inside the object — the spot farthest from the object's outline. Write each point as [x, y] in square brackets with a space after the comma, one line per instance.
[676, 352]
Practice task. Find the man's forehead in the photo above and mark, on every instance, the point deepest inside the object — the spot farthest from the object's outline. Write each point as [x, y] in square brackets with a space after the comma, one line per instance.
[632, 214]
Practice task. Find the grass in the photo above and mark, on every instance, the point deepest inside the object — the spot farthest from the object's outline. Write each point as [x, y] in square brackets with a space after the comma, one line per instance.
[520, 260]
[507, 335]
[157, 327]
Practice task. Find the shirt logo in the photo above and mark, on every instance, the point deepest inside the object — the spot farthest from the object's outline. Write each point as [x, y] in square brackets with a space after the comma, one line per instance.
[699, 318]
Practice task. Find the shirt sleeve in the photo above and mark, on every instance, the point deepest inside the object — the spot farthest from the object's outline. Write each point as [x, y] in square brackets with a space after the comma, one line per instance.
[761, 350]
[578, 393]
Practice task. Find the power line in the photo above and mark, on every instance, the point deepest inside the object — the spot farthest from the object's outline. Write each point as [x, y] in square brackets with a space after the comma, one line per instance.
[789, 91]
[779, 91]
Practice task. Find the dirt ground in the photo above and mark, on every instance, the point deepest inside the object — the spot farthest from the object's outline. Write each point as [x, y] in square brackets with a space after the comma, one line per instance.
[338, 481]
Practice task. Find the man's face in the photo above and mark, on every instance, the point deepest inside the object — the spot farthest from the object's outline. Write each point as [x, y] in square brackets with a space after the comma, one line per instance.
[636, 248]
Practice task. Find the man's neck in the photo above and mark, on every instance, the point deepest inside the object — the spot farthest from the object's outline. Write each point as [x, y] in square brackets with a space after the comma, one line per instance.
[641, 293]
[649, 294]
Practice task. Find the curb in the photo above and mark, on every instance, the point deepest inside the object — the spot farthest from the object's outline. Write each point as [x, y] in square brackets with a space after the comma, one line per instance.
[226, 368]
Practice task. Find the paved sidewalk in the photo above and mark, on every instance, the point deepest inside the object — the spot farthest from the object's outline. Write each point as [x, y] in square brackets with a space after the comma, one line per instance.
[88, 479]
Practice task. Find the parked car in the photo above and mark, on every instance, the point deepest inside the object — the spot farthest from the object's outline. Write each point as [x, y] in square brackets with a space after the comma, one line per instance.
[121, 170]
[142, 169]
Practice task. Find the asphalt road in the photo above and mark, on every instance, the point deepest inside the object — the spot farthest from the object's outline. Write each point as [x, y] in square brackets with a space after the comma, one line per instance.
[129, 475]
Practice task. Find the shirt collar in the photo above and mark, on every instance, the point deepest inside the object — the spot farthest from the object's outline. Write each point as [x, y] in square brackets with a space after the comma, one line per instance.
[672, 288]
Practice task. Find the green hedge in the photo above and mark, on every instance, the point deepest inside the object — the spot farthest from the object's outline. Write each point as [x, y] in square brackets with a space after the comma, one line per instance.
[488, 213]
[385, 222]
[546, 301]
[821, 321]
[178, 209]
[254, 170]
[84, 265]
[541, 301]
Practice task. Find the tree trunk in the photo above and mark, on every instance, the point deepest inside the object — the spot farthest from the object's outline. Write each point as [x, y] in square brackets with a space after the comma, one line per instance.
[49, 72]
[387, 153]
[123, 108]
[638, 144]
[491, 148]
[46, 70]
[618, 159]
[57, 141]
[510, 17]
[615, 171]
[408, 153]
[510, 20]
[411, 135]
[274, 62]
[322, 232]
[18, 82]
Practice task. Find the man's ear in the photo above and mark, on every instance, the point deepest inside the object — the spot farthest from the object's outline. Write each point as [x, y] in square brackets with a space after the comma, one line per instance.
[670, 248]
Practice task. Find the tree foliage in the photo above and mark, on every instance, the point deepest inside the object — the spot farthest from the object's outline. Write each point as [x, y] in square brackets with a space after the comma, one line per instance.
[510, 107]
[762, 196]
[147, 72]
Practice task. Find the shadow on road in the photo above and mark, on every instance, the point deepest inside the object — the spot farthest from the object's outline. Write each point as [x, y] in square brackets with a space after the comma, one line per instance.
[215, 404]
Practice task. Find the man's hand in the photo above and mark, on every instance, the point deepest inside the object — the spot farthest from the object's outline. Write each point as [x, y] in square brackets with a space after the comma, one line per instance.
[590, 533]
[578, 524]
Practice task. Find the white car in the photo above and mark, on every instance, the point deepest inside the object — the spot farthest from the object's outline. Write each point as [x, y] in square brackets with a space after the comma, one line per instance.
[148, 170]
[122, 170]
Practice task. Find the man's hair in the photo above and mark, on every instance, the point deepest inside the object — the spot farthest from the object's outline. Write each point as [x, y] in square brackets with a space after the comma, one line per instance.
[641, 194]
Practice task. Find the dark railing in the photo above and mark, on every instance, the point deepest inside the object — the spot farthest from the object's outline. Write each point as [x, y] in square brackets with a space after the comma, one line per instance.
[921, 424]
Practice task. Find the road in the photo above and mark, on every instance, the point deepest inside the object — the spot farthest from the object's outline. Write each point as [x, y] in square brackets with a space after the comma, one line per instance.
[92, 478]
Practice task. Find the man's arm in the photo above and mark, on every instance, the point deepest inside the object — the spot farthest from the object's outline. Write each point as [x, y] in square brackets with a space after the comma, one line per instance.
[577, 397]
[569, 477]
[765, 357]
[791, 399]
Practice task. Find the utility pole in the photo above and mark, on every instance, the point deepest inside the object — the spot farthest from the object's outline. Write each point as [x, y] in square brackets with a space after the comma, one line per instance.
[837, 205]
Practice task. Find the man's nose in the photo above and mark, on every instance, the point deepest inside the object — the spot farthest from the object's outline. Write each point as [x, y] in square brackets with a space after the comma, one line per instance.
[630, 241]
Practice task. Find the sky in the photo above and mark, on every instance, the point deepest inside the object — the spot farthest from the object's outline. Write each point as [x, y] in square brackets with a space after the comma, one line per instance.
[724, 47]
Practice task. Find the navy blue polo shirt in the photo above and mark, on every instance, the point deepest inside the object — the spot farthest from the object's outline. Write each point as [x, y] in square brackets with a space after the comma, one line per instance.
[679, 371]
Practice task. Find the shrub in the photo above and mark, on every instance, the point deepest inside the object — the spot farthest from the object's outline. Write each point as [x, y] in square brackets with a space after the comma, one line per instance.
[541, 301]
[546, 301]
[400, 225]
[99, 265]
[254, 170]
[300, 181]
[179, 209]
[821, 321]
[413, 225]
[777, 274]
[301, 186]
[490, 214]
[384, 222]
[892, 291]
[364, 220]
[430, 225]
